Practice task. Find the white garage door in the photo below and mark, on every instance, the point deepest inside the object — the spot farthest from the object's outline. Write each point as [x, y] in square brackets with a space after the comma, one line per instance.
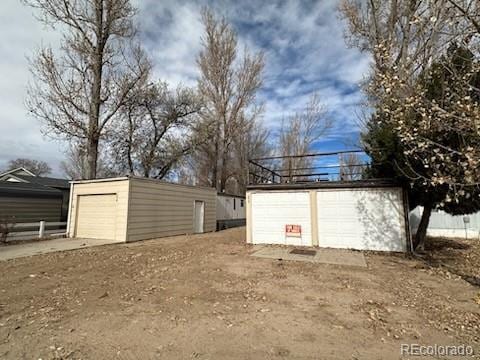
[272, 211]
[96, 215]
[363, 219]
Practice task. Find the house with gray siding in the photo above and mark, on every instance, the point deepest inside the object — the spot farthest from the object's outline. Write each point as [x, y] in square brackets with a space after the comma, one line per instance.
[23, 176]
[29, 203]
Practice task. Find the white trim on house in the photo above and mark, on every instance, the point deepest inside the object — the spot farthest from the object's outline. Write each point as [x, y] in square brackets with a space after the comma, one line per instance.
[98, 180]
[15, 170]
[12, 178]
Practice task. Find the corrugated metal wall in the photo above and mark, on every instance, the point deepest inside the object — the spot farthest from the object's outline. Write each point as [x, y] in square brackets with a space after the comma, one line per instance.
[158, 209]
[28, 209]
[443, 224]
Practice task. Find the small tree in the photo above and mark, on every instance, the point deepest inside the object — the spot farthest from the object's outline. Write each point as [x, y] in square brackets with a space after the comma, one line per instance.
[252, 142]
[36, 167]
[300, 132]
[351, 167]
[6, 225]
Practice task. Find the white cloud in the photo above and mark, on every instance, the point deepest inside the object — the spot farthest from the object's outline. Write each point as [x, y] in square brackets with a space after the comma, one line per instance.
[19, 133]
[171, 34]
[303, 42]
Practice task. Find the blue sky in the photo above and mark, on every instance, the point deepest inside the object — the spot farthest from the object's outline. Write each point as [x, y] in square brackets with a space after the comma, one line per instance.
[302, 40]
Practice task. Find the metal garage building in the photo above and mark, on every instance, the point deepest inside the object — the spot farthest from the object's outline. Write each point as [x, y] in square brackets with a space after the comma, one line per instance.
[130, 209]
[362, 215]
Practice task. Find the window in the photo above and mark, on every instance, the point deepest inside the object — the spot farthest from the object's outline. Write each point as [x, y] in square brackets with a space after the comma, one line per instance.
[234, 204]
[241, 203]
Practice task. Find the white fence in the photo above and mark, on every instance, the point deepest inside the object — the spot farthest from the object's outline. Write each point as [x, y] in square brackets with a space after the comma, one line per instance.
[443, 224]
[36, 230]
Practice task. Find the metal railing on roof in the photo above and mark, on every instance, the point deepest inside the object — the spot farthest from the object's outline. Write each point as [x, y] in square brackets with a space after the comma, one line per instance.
[312, 167]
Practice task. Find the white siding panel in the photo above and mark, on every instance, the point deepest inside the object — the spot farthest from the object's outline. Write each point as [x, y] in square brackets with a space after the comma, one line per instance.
[226, 210]
[443, 224]
[362, 219]
[271, 211]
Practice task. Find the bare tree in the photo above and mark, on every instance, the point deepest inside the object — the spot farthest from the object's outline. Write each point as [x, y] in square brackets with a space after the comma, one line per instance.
[160, 128]
[78, 91]
[228, 86]
[37, 167]
[300, 132]
[75, 165]
[351, 167]
[253, 142]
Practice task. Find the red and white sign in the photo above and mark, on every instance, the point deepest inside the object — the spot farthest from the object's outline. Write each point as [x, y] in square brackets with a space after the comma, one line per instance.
[293, 230]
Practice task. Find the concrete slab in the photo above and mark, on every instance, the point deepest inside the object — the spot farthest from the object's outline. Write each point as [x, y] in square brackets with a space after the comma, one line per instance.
[322, 256]
[43, 247]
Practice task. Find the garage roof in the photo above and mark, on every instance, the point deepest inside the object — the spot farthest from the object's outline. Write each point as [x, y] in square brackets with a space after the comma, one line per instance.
[140, 178]
[27, 189]
[328, 185]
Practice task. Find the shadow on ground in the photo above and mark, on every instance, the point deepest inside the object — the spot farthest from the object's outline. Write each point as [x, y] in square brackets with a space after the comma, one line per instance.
[459, 256]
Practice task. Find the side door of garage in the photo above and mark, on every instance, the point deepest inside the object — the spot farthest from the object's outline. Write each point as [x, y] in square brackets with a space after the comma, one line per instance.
[96, 216]
[272, 211]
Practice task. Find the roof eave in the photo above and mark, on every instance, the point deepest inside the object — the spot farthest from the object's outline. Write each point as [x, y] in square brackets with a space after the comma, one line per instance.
[373, 183]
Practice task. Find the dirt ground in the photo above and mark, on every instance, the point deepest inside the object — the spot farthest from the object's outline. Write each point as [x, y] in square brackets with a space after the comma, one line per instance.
[205, 297]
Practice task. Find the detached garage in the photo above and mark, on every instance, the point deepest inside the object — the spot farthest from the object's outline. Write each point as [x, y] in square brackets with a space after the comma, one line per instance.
[362, 215]
[130, 209]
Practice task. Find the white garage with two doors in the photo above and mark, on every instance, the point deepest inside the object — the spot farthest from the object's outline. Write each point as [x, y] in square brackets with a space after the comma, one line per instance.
[362, 215]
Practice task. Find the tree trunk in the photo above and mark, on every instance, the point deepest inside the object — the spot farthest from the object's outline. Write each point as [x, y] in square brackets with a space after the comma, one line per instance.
[92, 156]
[130, 143]
[419, 242]
[223, 170]
[216, 156]
[93, 126]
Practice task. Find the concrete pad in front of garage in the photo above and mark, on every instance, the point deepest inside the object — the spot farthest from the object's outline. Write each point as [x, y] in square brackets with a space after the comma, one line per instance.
[8, 252]
[322, 256]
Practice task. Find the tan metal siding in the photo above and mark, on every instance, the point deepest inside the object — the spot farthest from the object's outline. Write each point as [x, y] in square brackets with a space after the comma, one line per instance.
[31, 209]
[158, 209]
[119, 188]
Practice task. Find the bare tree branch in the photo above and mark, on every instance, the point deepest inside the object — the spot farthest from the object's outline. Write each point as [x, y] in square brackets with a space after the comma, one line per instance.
[78, 92]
